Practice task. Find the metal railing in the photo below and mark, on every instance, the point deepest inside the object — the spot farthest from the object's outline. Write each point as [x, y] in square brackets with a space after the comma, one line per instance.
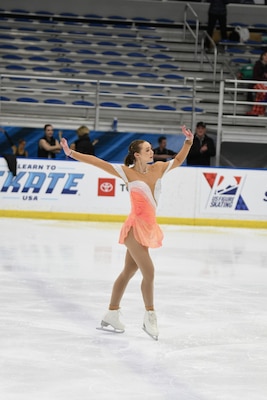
[187, 27]
[237, 125]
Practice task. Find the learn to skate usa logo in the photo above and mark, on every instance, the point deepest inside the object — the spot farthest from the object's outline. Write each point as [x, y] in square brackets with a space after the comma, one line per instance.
[225, 191]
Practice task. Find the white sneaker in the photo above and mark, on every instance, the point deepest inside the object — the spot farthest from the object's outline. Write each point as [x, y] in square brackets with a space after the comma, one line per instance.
[112, 318]
[150, 325]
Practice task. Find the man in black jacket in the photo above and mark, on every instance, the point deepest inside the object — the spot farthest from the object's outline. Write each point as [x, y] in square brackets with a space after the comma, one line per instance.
[203, 147]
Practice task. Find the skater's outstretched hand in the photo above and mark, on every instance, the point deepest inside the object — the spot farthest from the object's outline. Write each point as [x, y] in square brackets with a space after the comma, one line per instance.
[65, 146]
[187, 132]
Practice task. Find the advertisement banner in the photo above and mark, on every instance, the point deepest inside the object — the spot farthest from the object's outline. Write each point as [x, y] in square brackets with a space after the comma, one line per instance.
[234, 193]
[61, 186]
[188, 194]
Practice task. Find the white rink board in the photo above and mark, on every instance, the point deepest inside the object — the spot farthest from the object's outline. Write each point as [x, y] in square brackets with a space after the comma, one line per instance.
[187, 192]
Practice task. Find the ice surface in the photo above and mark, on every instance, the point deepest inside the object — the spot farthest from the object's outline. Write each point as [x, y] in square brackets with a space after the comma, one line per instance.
[210, 296]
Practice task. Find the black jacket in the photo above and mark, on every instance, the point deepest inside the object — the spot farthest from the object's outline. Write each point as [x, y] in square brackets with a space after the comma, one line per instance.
[218, 7]
[195, 157]
[84, 145]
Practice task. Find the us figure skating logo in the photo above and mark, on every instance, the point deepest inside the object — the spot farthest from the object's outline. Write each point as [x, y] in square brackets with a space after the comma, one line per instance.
[226, 192]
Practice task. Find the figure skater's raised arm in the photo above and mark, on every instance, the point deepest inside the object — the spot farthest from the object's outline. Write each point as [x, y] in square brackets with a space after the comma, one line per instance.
[88, 159]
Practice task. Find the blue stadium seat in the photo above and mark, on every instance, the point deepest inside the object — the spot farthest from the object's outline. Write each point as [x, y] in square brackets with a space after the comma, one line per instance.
[173, 76]
[162, 55]
[60, 50]
[102, 34]
[164, 107]
[12, 57]
[95, 72]
[157, 46]
[31, 38]
[38, 59]
[136, 55]
[139, 106]
[54, 101]
[40, 68]
[26, 29]
[168, 66]
[110, 104]
[154, 37]
[8, 47]
[190, 109]
[15, 67]
[6, 37]
[91, 61]
[111, 53]
[44, 13]
[142, 65]
[165, 20]
[235, 50]
[34, 48]
[19, 11]
[117, 17]
[68, 14]
[82, 42]
[106, 43]
[122, 73]
[117, 63]
[64, 60]
[55, 40]
[241, 60]
[68, 70]
[131, 44]
[27, 100]
[4, 98]
[83, 103]
[86, 51]
[141, 19]
[147, 75]
[93, 16]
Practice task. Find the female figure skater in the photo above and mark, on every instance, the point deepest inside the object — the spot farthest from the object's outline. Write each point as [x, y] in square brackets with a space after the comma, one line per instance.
[140, 230]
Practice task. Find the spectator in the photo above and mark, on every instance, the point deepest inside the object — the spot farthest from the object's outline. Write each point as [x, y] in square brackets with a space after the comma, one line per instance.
[20, 150]
[48, 146]
[203, 147]
[83, 144]
[217, 12]
[161, 153]
[260, 74]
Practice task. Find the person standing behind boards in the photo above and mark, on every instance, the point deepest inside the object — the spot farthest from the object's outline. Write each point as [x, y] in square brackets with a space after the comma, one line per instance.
[48, 146]
[83, 144]
[203, 147]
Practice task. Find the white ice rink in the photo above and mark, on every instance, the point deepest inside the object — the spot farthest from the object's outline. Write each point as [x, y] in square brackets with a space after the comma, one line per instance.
[210, 297]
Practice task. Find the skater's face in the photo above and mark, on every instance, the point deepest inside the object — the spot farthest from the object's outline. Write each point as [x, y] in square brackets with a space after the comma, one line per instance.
[146, 153]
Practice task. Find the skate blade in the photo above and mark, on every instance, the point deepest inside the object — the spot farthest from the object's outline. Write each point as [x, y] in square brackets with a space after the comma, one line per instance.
[105, 327]
[149, 334]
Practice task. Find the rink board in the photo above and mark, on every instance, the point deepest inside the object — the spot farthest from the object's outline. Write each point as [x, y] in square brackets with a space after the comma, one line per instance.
[190, 195]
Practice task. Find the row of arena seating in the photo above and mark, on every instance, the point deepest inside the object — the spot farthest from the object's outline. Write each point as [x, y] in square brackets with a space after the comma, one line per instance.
[51, 59]
[74, 18]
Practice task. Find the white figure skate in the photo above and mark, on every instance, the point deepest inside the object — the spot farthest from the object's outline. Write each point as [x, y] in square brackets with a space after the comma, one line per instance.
[111, 322]
[150, 325]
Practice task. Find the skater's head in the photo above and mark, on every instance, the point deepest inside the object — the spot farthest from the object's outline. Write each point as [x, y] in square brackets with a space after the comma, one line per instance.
[139, 150]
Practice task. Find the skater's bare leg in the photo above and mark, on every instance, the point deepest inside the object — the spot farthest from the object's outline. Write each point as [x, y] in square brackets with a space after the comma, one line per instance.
[141, 257]
[121, 282]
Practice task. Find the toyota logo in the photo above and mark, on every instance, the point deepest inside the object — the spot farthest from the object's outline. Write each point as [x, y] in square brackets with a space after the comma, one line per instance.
[106, 187]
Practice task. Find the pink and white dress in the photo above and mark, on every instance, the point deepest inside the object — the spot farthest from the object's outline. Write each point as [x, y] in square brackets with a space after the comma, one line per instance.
[142, 217]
